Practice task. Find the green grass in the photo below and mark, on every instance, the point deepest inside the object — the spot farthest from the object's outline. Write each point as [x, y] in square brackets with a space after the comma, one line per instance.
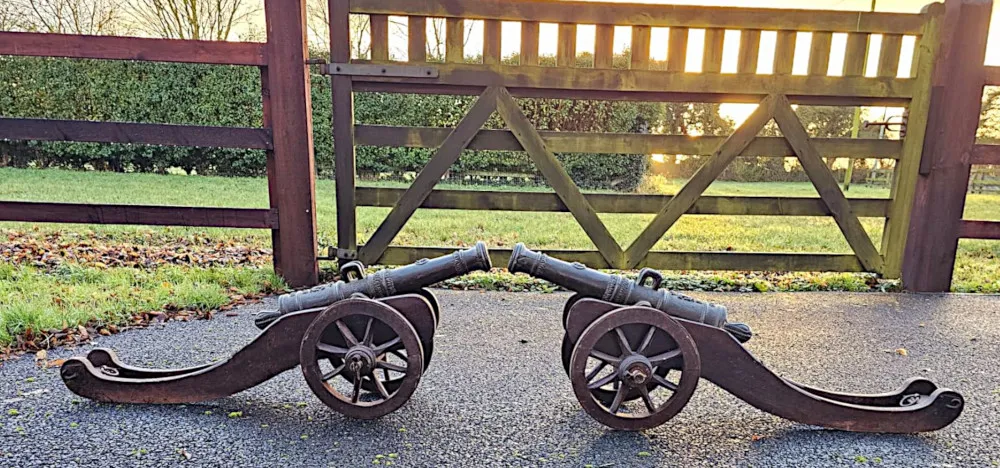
[29, 295]
[72, 295]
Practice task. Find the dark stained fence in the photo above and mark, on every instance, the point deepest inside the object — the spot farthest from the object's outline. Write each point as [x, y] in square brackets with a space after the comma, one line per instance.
[285, 136]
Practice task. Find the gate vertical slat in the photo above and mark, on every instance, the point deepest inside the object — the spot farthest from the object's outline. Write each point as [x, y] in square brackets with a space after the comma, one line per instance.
[677, 50]
[895, 233]
[343, 132]
[749, 51]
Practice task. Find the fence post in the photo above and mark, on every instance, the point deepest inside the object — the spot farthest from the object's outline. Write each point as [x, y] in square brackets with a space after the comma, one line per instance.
[290, 114]
[342, 89]
[956, 103]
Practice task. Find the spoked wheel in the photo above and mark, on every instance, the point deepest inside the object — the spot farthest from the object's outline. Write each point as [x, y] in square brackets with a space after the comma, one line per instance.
[373, 344]
[623, 352]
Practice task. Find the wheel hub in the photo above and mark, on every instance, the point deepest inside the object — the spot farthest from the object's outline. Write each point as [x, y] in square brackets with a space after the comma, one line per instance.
[635, 370]
[360, 359]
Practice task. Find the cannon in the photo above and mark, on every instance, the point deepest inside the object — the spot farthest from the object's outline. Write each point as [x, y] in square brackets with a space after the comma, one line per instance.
[634, 355]
[362, 343]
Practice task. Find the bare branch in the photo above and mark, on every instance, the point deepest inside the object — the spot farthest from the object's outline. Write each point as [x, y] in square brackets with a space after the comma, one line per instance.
[192, 19]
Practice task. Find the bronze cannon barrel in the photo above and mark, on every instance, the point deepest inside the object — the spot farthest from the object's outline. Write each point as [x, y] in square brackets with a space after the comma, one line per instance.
[384, 283]
[620, 290]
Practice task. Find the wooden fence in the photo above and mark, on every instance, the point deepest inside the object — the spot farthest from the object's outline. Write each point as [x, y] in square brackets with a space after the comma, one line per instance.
[286, 134]
[497, 84]
[923, 217]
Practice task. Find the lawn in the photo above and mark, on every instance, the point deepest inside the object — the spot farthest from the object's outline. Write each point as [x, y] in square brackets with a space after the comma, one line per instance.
[43, 295]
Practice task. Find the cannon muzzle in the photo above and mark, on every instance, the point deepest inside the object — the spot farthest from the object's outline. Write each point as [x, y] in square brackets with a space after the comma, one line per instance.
[620, 290]
[384, 283]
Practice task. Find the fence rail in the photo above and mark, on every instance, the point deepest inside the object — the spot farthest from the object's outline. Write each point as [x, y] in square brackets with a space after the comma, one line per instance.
[285, 101]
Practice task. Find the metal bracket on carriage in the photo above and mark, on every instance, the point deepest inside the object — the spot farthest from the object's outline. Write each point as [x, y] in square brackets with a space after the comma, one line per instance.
[636, 367]
[363, 345]
[385, 70]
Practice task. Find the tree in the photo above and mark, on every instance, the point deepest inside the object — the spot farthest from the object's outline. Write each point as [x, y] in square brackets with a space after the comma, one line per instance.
[318, 23]
[192, 19]
[94, 17]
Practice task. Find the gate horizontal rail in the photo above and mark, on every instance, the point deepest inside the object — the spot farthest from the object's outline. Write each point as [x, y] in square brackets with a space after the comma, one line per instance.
[81, 213]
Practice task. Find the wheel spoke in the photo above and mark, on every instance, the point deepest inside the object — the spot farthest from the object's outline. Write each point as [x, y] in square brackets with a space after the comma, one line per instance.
[381, 349]
[597, 370]
[335, 351]
[334, 373]
[379, 386]
[663, 382]
[623, 342]
[390, 366]
[661, 358]
[644, 393]
[357, 388]
[368, 332]
[646, 340]
[619, 398]
[604, 357]
[603, 381]
[348, 334]
[399, 355]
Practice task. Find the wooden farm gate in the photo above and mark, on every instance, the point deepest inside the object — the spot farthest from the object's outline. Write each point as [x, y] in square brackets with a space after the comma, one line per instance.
[286, 135]
[498, 85]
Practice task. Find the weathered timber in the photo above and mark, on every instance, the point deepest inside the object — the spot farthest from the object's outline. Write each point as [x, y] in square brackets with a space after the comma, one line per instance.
[132, 48]
[271, 166]
[856, 54]
[905, 178]
[938, 203]
[677, 50]
[649, 15]
[732, 86]
[888, 58]
[491, 42]
[618, 203]
[627, 143]
[640, 47]
[440, 162]
[529, 43]
[454, 40]
[991, 76]
[687, 261]
[695, 187]
[985, 154]
[291, 119]
[557, 177]
[827, 186]
[379, 29]
[566, 46]
[342, 96]
[135, 133]
[819, 53]
[80, 213]
[749, 51]
[970, 229]
[637, 96]
[711, 60]
[784, 52]
[604, 44]
[416, 32]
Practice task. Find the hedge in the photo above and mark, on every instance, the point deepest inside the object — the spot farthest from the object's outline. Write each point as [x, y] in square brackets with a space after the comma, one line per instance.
[230, 96]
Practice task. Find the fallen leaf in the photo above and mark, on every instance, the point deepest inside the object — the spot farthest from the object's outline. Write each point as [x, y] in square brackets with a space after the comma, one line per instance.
[104, 332]
[83, 332]
[902, 352]
[41, 355]
[56, 363]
